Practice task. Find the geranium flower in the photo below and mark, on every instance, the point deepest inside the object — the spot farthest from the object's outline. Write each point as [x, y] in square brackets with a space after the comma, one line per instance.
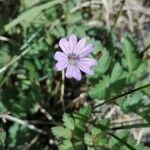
[75, 57]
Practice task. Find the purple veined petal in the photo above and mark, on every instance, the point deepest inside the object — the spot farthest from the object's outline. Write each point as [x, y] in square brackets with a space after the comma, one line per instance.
[64, 45]
[60, 56]
[86, 50]
[73, 72]
[85, 68]
[72, 42]
[80, 45]
[69, 72]
[77, 73]
[88, 62]
[61, 65]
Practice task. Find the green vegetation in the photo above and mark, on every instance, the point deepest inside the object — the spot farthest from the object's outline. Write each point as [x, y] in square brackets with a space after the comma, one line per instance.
[99, 109]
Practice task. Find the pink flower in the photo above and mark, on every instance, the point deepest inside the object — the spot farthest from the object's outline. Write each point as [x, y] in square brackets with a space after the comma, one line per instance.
[75, 57]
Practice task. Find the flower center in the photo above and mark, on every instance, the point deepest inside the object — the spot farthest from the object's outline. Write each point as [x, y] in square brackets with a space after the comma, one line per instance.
[72, 59]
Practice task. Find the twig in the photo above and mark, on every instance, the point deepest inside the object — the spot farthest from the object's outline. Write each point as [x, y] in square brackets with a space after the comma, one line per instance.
[111, 112]
[140, 9]
[107, 13]
[37, 122]
[5, 39]
[143, 132]
[43, 111]
[115, 122]
[33, 141]
[129, 16]
[119, 96]
[78, 101]
[5, 117]
[62, 90]
[85, 4]
[47, 115]
[140, 137]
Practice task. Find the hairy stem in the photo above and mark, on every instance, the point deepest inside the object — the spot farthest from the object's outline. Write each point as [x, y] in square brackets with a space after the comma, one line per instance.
[141, 125]
[122, 141]
[122, 95]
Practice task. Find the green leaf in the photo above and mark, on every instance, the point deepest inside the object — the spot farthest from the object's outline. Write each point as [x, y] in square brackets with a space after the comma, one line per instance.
[2, 107]
[132, 103]
[68, 121]
[95, 131]
[80, 31]
[102, 64]
[74, 18]
[88, 139]
[4, 58]
[61, 132]
[130, 52]
[97, 46]
[79, 146]
[18, 135]
[58, 32]
[67, 145]
[80, 119]
[100, 140]
[116, 72]
[30, 14]
[100, 90]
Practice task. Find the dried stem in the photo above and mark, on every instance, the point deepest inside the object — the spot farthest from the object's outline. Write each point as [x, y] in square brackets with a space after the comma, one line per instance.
[77, 102]
[32, 142]
[5, 39]
[5, 117]
[47, 115]
[62, 90]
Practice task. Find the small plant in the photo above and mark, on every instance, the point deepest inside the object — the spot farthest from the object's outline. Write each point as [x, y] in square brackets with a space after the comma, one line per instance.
[74, 75]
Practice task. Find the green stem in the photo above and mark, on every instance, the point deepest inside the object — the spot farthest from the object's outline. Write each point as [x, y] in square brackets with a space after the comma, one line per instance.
[122, 95]
[141, 125]
[122, 141]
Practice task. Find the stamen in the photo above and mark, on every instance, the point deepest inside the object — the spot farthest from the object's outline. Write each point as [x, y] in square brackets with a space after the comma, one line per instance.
[72, 59]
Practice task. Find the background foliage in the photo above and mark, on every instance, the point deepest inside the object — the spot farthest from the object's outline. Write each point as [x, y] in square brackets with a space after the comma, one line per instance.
[30, 110]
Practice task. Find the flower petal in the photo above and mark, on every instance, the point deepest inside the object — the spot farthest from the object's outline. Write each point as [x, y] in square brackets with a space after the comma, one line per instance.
[64, 45]
[69, 72]
[73, 72]
[61, 65]
[88, 61]
[86, 50]
[77, 73]
[60, 56]
[72, 42]
[83, 66]
[80, 45]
